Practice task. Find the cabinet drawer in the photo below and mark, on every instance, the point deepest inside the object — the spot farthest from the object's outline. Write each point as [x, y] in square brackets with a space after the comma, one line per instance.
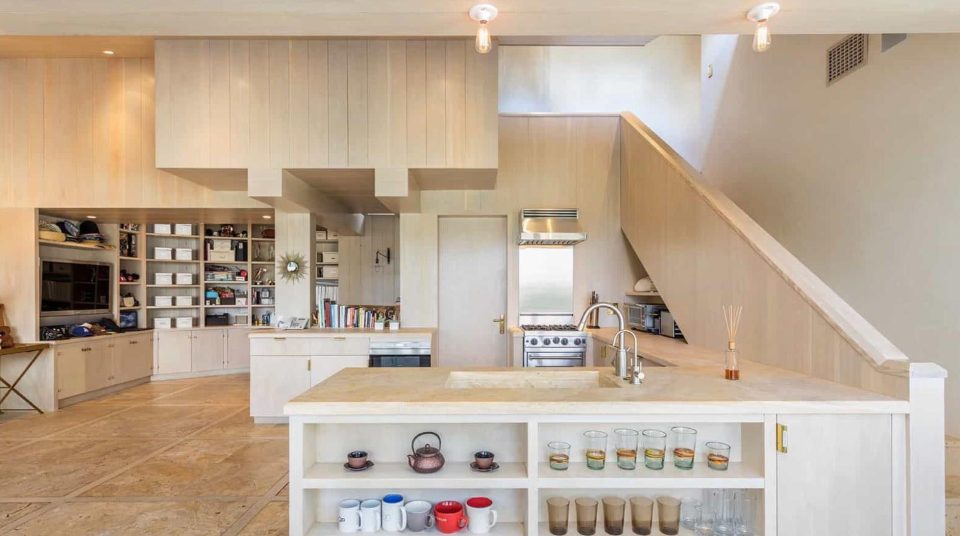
[341, 346]
[281, 346]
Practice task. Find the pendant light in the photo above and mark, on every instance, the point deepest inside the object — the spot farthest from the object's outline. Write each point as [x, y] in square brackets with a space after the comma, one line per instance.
[483, 14]
[760, 14]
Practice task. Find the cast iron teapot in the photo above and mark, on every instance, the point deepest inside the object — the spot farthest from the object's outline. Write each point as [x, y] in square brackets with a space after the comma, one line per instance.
[426, 459]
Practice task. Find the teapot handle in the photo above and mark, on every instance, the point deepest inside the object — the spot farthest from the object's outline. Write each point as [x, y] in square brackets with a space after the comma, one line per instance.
[413, 444]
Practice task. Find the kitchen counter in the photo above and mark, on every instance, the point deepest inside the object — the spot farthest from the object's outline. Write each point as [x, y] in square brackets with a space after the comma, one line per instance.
[341, 332]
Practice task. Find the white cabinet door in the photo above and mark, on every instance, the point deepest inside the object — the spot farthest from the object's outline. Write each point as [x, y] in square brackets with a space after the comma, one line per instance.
[71, 370]
[322, 367]
[173, 351]
[836, 477]
[238, 348]
[274, 381]
[99, 358]
[133, 358]
[207, 350]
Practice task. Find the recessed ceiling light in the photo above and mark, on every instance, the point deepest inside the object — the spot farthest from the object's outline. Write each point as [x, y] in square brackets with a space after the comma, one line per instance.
[91, 217]
[108, 52]
[267, 216]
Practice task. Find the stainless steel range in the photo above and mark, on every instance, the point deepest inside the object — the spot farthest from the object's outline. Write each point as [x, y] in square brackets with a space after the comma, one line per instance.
[553, 345]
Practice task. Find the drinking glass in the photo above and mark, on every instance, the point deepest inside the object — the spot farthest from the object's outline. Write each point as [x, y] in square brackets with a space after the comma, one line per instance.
[654, 448]
[705, 521]
[726, 513]
[558, 513]
[746, 513]
[641, 513]
[596, 449]
[684, 447]
[586, 515]
[668, 511]
[689, 511]
[613, 508]
[627, 442]
[559, 455]
[718, 455]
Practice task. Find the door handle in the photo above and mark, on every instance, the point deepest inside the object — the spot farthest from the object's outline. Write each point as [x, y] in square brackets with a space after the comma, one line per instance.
[502, 321]
[781, 438]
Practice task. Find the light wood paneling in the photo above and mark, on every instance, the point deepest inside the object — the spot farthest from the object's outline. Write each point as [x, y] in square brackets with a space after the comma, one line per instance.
[416, 103]
[362, 279]
[702, 251]
[418, 270]
[338, 94]
[19, 272]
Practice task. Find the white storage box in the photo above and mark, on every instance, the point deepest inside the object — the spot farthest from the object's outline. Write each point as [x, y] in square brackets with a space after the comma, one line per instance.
[183, 301]
[163, 254]
[321, 235]
[184, 278]
[330, 272]
[183, 229]
[161, 228]
[221, 256]
[241, 301]
[184, 322]
[184, 254]
[163, 278]
[220, 245]
[332, 235]
[162, 323]
[163, 301]
[330, 256]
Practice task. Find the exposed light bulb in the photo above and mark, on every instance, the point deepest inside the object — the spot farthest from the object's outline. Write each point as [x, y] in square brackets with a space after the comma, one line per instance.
[761, 37]
[483, 13]
[484, 44]
[108, 53]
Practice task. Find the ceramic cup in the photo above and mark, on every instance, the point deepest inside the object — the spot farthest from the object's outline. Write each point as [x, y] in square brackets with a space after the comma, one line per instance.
[370, 516]
[348, 517]
[357, 459]
[484, 459]
[482, 517]
[419, 515]
[449, 516]
[394, 517]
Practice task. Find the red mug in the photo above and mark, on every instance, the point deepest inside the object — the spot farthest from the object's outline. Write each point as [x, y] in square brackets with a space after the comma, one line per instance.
[449, 516]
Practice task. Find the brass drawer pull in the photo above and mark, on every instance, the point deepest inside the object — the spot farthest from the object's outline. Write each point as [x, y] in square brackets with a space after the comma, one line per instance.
[781, 438]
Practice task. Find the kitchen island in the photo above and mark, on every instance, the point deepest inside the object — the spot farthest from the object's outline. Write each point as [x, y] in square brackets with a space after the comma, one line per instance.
[820, 457]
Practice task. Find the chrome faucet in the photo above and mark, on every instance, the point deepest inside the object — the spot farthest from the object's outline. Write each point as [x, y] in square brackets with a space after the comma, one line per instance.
[636, 372]
[620, 364]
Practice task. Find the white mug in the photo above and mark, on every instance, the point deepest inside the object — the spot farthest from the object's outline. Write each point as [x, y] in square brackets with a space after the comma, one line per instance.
[481, 514]
[394, 515]
[370, 515]
[348, 518]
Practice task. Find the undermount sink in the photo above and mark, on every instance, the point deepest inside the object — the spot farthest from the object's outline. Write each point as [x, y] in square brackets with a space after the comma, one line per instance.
[531, 379]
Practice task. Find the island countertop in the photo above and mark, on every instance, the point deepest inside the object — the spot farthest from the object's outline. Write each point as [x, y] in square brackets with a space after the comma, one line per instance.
[687, 389]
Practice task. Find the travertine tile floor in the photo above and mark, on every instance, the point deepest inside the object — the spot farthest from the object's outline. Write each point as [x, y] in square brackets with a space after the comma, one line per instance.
[178, 457]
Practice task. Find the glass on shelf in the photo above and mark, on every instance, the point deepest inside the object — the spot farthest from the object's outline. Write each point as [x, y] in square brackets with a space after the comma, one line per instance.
[685, 445]
[718, 455]
[559, 455]
[586, 515]
[596, 449]
[558, 513]
[654, 448]
[627, 442]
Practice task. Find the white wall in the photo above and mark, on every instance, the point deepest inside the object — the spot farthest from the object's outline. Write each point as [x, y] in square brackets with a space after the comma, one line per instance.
[658, 82]
[859, 180]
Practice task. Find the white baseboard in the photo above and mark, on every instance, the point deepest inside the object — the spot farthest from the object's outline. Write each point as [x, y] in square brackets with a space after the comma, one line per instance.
[83, 397]
[203, 374]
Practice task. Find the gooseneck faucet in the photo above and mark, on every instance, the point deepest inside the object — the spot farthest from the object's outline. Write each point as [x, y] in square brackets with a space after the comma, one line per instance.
[636, 371]
[621, 361]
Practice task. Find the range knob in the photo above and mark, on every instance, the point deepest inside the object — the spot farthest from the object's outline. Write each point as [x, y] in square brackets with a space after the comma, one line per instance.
[576, 342]
[556, 340]
[564, 341]
[533, 342]
[546, 341]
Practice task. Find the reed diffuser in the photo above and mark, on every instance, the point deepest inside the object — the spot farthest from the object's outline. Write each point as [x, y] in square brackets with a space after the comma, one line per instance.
[731, 365]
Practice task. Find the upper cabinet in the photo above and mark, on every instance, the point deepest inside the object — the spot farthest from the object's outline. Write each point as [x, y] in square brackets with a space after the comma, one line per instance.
[315, 103]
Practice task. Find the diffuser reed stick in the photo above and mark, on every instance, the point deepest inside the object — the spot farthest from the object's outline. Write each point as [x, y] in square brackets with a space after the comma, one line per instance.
[731, 317]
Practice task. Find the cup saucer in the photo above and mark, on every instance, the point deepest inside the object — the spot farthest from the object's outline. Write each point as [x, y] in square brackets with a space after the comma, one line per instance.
[368, 465]
[492, 468]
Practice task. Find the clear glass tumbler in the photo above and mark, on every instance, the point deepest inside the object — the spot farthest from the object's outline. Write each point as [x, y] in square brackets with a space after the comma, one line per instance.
[559, 455]
[596, 449]
[627, 443]
[654, 448]
[689, 512]
[746, 515]
[718, 455]
[684, 446]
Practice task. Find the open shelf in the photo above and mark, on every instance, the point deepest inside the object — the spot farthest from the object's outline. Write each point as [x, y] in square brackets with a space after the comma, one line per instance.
[90, 246]
[122, 258]
[738, 475]
[173, 235]
[544, 528]
[173, 261]
[500, 529]
[646, 294]
[173, 286]
[454, 475]
[173, 307]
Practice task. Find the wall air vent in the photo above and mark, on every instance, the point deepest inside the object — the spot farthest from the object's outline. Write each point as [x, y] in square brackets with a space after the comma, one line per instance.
[846, 56]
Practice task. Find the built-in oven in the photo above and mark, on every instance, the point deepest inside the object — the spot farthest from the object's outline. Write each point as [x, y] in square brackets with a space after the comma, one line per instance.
[554, 358]
[399, 353]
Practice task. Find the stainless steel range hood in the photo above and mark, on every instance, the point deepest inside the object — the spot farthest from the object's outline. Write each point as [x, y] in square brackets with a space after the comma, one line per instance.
[550, 227]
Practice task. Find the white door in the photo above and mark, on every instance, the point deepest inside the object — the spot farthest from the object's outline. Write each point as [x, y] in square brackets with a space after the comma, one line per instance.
[207, 350]
[132, 358]
[322, 367]
[173, 351]
[274, 380]
[472, 291]
[821, 478]
[99, 358]
[71, 370]
[238, 348]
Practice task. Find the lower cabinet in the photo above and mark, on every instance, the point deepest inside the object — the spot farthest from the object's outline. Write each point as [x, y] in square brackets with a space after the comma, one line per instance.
[238, 349]
[133, 357]
[89, 365]
[274, 380]
[71, 370]
[99, 358]
[173, 351]
[206, 350]
[202, 350]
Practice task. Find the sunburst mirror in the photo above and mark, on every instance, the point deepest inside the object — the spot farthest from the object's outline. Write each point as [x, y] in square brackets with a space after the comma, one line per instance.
[292, 267]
